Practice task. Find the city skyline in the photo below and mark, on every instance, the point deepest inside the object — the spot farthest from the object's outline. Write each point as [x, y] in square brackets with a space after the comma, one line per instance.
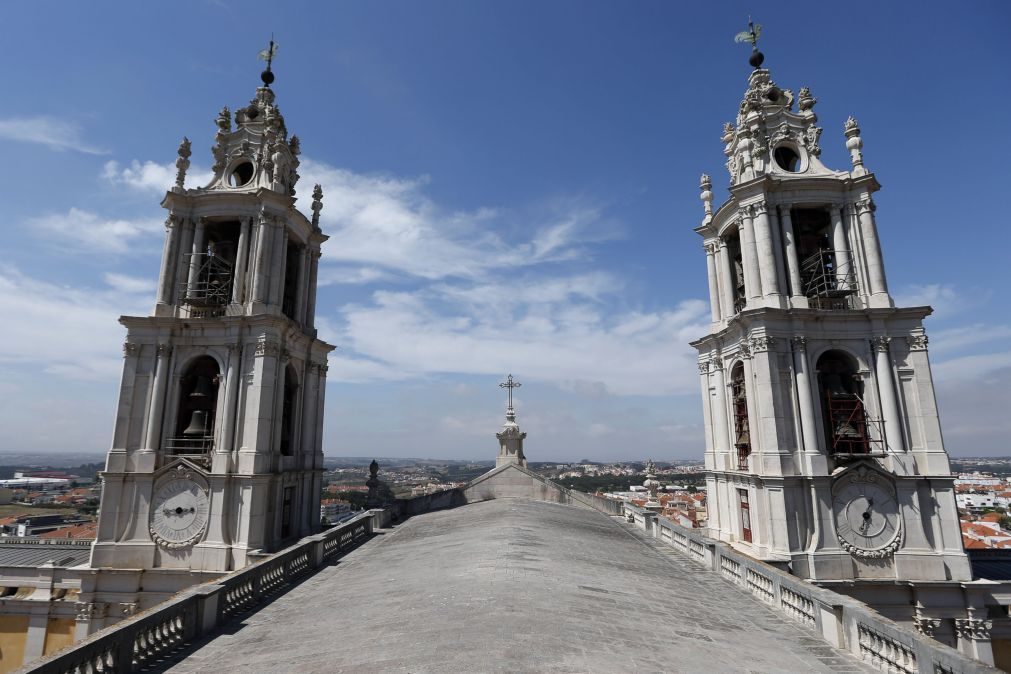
[506, 188]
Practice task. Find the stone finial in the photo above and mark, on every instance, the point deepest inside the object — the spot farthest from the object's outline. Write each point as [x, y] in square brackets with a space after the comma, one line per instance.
[373, 499]
[728, 132]
[317, 205]
[183, 162]
[706, 185]
[295, 145]
[224, 120]
[855, 144]
[806, 101]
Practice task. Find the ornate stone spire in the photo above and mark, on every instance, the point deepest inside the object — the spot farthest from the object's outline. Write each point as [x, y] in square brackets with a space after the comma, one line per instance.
[855, 144]
[706, 185]
[183, 163]
[511, 437]
[317, 205]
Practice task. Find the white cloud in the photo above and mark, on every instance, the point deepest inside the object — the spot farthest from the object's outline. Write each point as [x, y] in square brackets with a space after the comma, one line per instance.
[570, 342]
[349, 275]
[386, 222]
[64, 331]
[130, 284]
[151, 176]
[54, 133]
[84, 231]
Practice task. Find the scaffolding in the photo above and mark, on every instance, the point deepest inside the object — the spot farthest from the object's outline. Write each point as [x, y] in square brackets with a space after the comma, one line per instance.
[827, 280]
[742, 430]
[211, 284]
[850, 425]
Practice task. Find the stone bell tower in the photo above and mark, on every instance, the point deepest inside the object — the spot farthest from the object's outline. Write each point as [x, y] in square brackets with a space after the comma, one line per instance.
[823, 445]
[217, 448]
[510, 438]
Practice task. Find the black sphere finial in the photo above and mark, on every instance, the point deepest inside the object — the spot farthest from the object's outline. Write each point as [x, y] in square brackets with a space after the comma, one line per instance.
[268, 55]
[267, 77]
[756, 59]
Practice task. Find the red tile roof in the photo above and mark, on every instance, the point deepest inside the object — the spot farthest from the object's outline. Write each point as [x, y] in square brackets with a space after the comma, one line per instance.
[87, 530]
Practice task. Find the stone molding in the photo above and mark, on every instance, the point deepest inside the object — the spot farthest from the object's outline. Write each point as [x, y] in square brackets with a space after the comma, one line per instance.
[973, 628]
[925, 625]
[130, 349]
[799, 343]
[917, 342]
[762, 343]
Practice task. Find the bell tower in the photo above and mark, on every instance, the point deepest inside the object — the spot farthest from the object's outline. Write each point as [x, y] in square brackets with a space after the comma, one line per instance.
[824, 451]
[217, 448]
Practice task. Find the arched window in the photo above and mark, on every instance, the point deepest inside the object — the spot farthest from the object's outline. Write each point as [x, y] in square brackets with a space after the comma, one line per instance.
[739, 401]
[198, 403]
[738, 287]
[288, 412]
[842, 403]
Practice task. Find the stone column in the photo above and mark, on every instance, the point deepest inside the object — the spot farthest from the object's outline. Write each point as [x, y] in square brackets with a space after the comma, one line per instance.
[707, 416]
[805, 398]
[777, 245]
[790, 244]
[277, 265]
[232, 384]
[182, 262]
[872, 247]
[721, 427]
[166, 275]
[157, 409]
[727, 278]
[239, 277]
[198, 248]
[310, 390]
[310, 312]
[260, 279]
[766, 253]
[750, 255]
[714, 289]
[844, 269]
[886, 393]
[303, 285]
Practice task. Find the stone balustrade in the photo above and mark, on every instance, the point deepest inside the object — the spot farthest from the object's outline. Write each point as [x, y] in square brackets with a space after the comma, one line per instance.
[844, 622]
[136, 642]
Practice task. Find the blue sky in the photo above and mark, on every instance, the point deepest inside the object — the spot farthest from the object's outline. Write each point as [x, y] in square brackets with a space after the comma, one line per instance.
[509, 187]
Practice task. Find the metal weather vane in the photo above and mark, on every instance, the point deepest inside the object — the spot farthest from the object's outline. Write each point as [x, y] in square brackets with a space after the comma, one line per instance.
[751, 36]
[268, 55]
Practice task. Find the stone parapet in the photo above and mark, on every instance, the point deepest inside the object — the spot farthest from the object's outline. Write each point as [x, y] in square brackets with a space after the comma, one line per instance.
[845, 623]
[137, 641]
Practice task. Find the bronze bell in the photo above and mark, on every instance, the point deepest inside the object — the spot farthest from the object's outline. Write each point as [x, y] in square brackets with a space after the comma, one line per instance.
[198, 424]
[203, 389]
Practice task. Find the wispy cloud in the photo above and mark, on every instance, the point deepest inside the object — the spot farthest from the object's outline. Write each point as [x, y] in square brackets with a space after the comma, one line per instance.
[68, 332]
[84, 231]
[390, 223]
[56, 134]
[151, 176]
[129, 284]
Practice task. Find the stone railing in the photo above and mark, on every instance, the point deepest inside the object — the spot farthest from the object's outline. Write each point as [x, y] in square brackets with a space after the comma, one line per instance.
[131, 644]
[844, 622]
[607, 506]
[32, 540]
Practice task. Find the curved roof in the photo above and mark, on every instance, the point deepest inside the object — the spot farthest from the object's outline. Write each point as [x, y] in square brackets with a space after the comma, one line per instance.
[515, 585]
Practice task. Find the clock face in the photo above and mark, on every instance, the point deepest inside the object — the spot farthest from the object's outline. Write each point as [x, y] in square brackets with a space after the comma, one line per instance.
[178, 513]
[866, 517]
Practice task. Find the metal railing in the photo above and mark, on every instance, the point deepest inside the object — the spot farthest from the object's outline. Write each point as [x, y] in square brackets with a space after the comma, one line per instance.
[135, 642]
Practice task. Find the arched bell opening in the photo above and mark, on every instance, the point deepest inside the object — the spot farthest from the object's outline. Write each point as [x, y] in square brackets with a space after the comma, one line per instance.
[739, 403]
[841, 390]
[287, 445]
[208, 287]
[824, 271]
[198, 403]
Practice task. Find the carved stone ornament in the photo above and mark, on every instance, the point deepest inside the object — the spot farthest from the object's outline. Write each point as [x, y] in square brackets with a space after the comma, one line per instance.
[129, 608]
[164, 350]
[130, 349]
[799, 343]
[224, 120]
[917, 342]
[732, 167]
[728, 132]
[317, 204]
[880, 343]
[710, 248]
[745, 349]
[851, 127]
[90, 610]
[704, 367]
[762, 343]
[865, 206]
[267, 347]
[811, 136]
[925, 625]
[759, 207]
[868, 523]
[806, 101]
[973, 628]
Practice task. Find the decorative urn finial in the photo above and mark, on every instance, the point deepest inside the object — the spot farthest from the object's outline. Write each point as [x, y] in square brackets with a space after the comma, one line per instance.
[706, 185]
[855, 144]
[183, 163]
[317, 205]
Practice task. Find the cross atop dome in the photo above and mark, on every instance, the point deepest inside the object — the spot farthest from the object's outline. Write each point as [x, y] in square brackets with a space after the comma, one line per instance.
[510, 437]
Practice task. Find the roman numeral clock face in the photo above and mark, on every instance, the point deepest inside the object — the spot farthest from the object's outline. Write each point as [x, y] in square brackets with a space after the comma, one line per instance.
[178, 513]
[867, 518]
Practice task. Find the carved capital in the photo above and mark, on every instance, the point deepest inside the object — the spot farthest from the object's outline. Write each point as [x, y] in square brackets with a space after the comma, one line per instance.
[747, 212]
[925, 625]
[90, 610]
[865, 206]
[973, 628]
[759, 207]
[745, 349]
[763, 343]
[710, 248]
[704, 367]
[917, 342]
[164, 350]
[130, 349]
[880, 343]
[799, 343]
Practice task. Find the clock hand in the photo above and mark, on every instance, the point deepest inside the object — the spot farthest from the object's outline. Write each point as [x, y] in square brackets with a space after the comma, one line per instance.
[867, 515]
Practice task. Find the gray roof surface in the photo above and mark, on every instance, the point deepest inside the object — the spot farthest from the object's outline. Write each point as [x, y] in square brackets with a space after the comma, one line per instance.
[15, 554]
[513, 585]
